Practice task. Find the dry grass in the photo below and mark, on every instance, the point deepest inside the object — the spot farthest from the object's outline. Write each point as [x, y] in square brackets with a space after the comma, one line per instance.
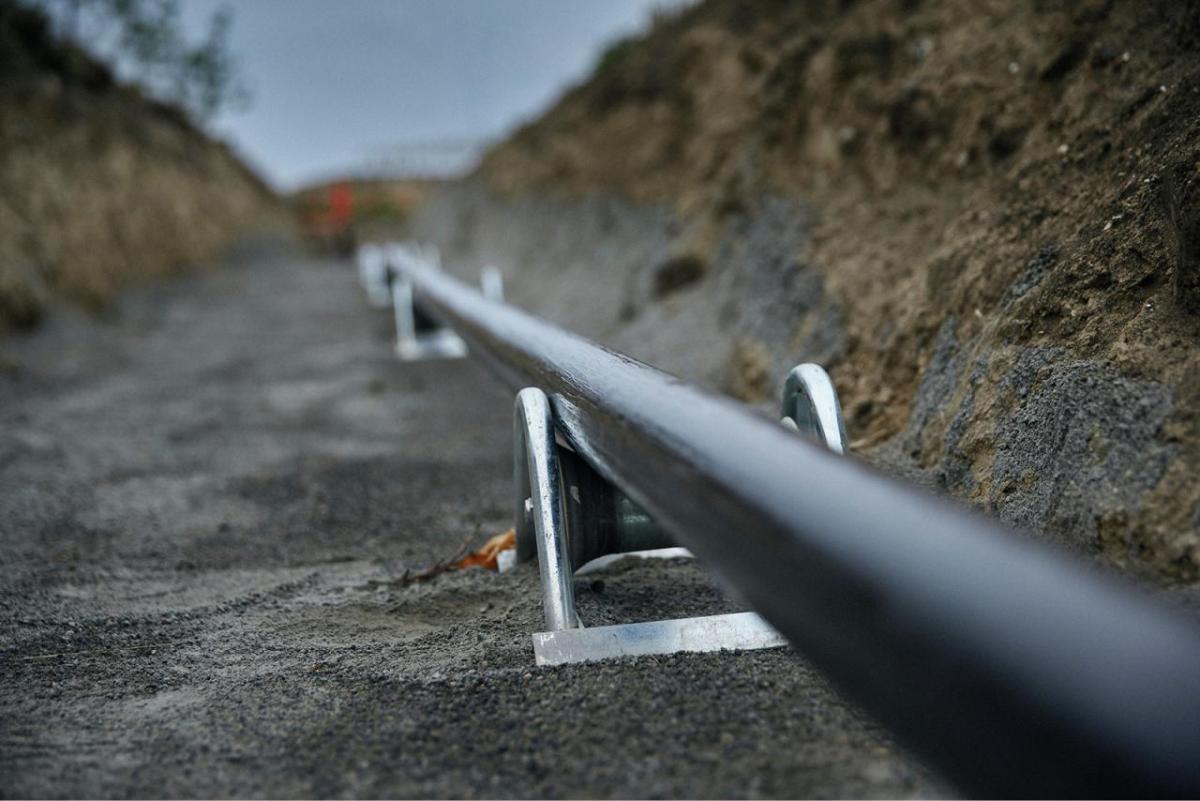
[100, 187]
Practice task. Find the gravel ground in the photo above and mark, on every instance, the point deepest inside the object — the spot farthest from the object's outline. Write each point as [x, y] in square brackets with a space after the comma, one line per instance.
[208, 504]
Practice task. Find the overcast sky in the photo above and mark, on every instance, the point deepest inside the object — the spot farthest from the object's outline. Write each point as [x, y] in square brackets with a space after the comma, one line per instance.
[335, 82]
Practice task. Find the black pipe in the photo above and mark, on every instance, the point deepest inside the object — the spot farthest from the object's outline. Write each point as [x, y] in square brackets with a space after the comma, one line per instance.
[1012, 667]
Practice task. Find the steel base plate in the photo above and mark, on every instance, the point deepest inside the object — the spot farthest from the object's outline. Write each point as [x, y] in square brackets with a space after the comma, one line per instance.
[440, 344]
[741, 631]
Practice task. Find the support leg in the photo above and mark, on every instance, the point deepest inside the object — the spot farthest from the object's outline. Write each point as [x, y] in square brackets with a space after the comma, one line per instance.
[536, 473]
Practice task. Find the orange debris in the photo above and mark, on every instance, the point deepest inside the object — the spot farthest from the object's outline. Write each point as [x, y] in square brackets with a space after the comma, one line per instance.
[487, 555]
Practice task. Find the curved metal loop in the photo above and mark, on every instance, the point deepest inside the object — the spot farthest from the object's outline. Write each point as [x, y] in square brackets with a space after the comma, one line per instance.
[402, 312]
[491, 281]
[810, 407]
[540, 519]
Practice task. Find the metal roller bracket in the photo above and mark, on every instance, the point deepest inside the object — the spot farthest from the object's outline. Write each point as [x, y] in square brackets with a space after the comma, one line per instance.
[417, 336]
[574, 523]
[810, 407]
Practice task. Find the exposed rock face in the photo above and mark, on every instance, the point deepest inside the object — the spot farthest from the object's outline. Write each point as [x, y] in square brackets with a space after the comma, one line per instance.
[978, 216]
[100, 186]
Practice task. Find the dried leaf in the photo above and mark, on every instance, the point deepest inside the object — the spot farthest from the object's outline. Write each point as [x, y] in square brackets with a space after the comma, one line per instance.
[486, 556]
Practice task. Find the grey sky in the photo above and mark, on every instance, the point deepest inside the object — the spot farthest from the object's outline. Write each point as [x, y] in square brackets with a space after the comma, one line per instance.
[336, 81]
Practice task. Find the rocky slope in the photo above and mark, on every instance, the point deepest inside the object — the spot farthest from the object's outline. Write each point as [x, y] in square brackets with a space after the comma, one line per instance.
[984, 218]
[100, 186]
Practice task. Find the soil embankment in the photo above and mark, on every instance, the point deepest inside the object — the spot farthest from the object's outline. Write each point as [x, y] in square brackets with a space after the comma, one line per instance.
[100, 186]
[981, 217]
